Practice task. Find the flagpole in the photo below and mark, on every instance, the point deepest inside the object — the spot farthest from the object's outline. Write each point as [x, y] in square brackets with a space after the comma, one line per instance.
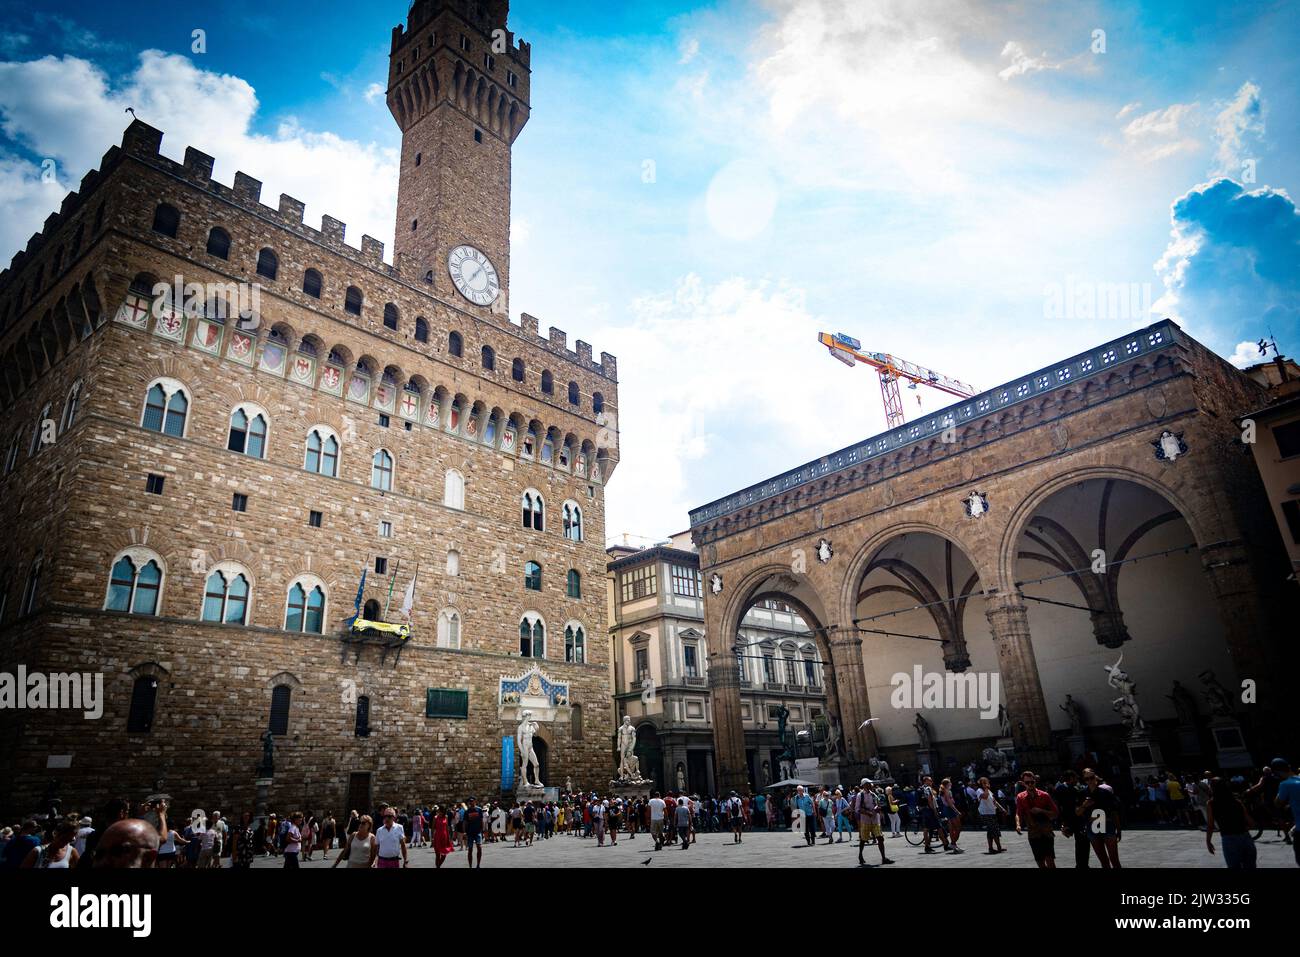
[387, 601]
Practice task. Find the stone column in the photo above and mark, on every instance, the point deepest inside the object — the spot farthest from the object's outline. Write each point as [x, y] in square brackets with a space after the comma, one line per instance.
[1031, 729]
[728, 729]
[851, 687]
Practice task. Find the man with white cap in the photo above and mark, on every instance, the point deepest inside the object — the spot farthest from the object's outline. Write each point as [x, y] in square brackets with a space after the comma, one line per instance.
[84, 830]
[866, 808]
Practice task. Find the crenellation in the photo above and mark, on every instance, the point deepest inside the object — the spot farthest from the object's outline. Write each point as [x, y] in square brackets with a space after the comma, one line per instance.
[333, 229]
[372, 250]
[198, 165]
[528, 324]
[584, 353]
[247, 189]
[609, 366]
[141, 141]
[291, 210]
[558, 338]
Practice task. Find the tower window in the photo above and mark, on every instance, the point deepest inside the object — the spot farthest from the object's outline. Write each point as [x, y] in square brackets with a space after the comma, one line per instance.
[489, 62]
[415, 224]
[455, 345]
[314, 520]
[154, 484]
[421, 330]
[219, 243]
[548, 383]
[390, 316]
[511, 80]
[418, 158]
[428, 277]
[311, 283]
[352, 301]
[478, 136]
[517, 370]
[464, 43]
[489, 359]
[239, 503]
[166, 220]
[268, 264]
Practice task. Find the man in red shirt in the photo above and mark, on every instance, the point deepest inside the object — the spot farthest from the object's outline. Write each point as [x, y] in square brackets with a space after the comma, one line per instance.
[1035, 812]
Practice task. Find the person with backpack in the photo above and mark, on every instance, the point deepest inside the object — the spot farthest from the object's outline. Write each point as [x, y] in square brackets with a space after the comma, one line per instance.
[736, 815]
[866, 810]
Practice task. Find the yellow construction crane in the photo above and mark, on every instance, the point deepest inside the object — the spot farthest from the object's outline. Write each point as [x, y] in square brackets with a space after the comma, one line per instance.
[891, 368]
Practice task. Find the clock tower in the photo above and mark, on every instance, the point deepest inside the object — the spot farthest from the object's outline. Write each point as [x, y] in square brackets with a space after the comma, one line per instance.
[458, 86]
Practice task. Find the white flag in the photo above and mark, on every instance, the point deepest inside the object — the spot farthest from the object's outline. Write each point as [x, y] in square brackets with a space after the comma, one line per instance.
[409, 601]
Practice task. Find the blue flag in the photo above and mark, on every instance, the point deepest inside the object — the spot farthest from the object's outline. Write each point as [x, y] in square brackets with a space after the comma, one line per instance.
[361, 590]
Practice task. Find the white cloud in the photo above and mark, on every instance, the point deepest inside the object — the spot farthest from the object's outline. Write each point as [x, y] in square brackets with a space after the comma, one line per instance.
[1243, 117]
[1246, 354]
[690, 48]
[69, 110]
[374, 92]
[1127, 109]
[1161, 133]
[1022, 63]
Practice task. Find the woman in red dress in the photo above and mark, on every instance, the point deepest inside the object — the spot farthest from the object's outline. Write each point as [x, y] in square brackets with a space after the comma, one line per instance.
[441, 837]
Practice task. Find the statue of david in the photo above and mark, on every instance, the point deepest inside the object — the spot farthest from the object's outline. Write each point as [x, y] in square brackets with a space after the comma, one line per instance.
[527, 756]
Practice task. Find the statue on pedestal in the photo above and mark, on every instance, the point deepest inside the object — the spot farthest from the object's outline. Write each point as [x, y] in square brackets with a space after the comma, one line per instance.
[1216, 695]
[1126, 704]
[527, 755]
[834, 739]
[629, 768]
[1004, 722]
[878, 769]
[1075, 713]
[1184, 704]
[267, 768]
[922, 732]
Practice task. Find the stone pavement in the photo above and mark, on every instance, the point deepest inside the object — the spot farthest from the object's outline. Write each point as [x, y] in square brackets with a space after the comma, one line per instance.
[1153, 848]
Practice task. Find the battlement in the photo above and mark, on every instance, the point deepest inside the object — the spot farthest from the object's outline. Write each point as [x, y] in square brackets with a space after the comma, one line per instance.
[143, 142]
[494, 17]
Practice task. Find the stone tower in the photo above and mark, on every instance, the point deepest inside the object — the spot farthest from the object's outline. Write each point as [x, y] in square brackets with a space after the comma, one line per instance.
[458, 86]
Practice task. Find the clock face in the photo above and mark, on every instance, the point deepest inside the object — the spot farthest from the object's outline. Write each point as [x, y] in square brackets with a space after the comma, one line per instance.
[474, 275]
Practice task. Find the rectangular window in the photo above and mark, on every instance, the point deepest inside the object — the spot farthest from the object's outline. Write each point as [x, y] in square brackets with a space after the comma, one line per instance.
[769, 669]
[1287, 438]
[315, 519]
[381, 566]
[640, 582]
[464, 43]
[385, 529]
[691, 657]
[446, 703]
[239, 503]
[511, 80]
[489, 62]
[791, 676]
[478, 136]
[383, 420]
[686, 581]
[154, 484]
[810, 672]
[1291, 510]
[642, 664]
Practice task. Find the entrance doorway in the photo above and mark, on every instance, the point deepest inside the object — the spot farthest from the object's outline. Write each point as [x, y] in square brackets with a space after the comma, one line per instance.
[359, 792]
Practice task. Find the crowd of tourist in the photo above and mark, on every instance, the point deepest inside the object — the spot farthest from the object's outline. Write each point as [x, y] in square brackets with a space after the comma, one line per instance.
[1086, 811]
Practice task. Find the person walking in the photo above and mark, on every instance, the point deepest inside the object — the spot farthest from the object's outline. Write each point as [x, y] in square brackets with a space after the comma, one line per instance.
[891, 804]
[391, 842]
[657, 808]
[243, 847]
[684, 821]
[59, 853]
[931, 822]
[1224, 811]
[1100, 812]
[1035, 811]
[867, 810]
[417, 828]
[360, 847]
[293, 839]
[989, 807]
[803, 803]
[736, 815]
[1069, 795]
[442, 846]
[327, 831]
[472, 822]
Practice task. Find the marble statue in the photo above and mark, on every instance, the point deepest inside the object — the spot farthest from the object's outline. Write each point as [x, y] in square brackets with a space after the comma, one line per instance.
[1184, 704]
[629, 768]
[834, 739]
[995, 763]
[1216, 695]
[922, 732]
[1004, 722]
[878, 769]
[1075, 714]
[1126, 704]
[568, 785]
[681, 779]
[527, 755]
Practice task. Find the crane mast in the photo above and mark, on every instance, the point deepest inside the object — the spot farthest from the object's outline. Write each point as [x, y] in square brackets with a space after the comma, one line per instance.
[890, 369]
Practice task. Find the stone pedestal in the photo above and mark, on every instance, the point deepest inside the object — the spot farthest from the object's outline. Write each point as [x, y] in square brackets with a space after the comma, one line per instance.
[630, 790]
[263, 786]
[927, 761]
[1189, 741]
[530, 792]
[1144, 755]
[1229, 744]
[1078, 747]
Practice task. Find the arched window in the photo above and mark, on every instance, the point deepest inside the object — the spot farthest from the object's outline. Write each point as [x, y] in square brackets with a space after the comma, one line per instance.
[517, 370]
[548, 382]
[362, 729]
[390, 316]
[280, 700]
[449, 628]
[248, 432]
[219, 243]
[597, 403]
[572, 522]
[268, 264]
[574, 584]
[533, 576]
[144, 699]
[370, 611]
[573, 393]
[381, 471]
[575, 643]
[70, 406]
[134, 585]
[532, 636]
[166, 220]
[166, 407]
[322, 453]
[352, 301]
[534, 511]
[305, 611]
[421, 330]
[311, 283]
[226, 597]
[453, 492]
[32, 588]
[455, 345]
[489, 359]
[453, 563]
[38, 430]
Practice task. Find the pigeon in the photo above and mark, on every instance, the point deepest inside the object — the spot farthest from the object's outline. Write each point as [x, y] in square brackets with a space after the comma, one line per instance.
[865, 723]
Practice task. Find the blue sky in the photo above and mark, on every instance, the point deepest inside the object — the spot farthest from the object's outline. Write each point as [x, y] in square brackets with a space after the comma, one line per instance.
[702, 187]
